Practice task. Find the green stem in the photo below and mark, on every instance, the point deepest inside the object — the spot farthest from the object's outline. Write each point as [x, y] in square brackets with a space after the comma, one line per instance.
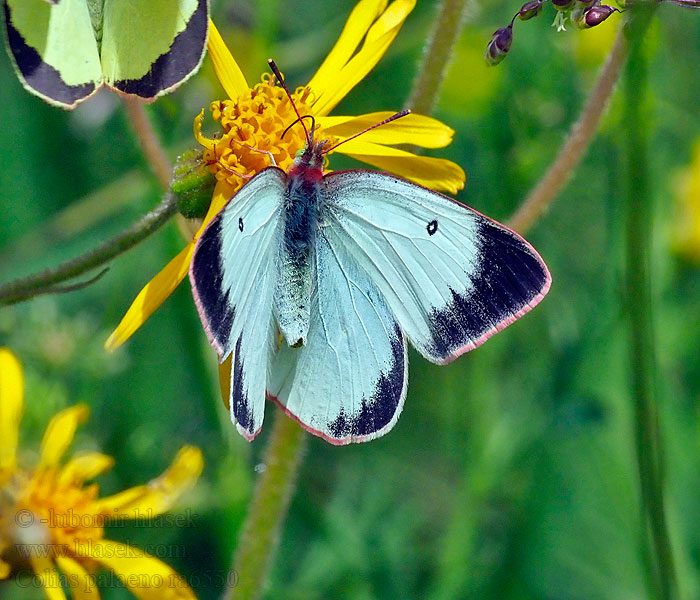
[273, 491]
[436, 59]
[639, 307]
[268, 509]
[45, 282]
[580, 137]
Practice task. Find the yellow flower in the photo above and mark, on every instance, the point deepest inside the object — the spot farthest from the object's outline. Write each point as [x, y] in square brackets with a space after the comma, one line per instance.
[686, 231]
[254, 119]
[51, 521]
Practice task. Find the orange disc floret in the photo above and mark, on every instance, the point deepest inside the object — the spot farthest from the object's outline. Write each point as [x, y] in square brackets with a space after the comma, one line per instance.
[254, 126]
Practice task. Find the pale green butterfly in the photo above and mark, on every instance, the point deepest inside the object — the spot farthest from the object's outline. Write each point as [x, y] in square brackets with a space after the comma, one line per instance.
[64, 50]
[313, 283]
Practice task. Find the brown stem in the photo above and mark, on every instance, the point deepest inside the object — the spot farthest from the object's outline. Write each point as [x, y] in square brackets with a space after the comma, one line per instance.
[576, 145]
[150, 144]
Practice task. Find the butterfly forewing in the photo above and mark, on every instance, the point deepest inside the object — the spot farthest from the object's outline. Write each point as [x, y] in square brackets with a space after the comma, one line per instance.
[348, 382]
[233, 274]
[450, 276]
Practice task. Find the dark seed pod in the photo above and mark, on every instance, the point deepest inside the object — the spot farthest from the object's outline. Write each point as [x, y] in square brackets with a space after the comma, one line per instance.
[595, 15]
[530, 9]
[499, 45]
[563, 4]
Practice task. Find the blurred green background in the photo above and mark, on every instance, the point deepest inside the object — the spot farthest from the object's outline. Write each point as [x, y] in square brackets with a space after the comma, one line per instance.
[511, 472]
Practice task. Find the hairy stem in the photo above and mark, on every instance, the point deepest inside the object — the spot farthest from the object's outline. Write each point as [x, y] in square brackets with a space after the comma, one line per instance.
[150, 144]
[436, 59]
[639, 307]
[268, 509]
[577, 143]
[275, 486]
[45, 282]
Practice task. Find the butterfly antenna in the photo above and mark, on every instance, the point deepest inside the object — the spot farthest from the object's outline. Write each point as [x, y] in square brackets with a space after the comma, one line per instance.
[313, 125]
[398, 115]
[277, 73]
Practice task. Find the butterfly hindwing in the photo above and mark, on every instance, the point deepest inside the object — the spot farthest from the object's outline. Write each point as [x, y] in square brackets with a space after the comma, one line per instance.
[450, 276]
[233, 274]
[145, 48]
[148, 63]
[348, 382]
[53, 49]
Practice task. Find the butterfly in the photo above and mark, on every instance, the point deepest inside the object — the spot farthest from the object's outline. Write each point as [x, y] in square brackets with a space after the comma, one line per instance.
[64, 50]
[313, 284]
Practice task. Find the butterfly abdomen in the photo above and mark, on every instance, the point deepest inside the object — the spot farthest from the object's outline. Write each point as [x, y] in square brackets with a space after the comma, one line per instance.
[294, 286]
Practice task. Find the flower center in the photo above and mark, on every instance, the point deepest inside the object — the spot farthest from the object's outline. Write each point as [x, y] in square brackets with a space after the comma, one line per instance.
[254, 125]
[54, 517]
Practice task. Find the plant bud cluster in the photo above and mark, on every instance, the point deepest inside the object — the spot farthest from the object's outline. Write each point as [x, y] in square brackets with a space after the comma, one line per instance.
[583, 14]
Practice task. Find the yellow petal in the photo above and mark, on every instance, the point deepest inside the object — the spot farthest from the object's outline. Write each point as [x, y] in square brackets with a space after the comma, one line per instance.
[85, 466]
[162, 285]
[379, 37]
[393, 17]
[227, 70]
[82, 585]
[11, 404]
[686, 231]
[120, 504]
[59, 434]
[225, 380]
[158, 495]
[223, 192]
[5, 570]
[357, 25]
[209, 144]
[151, 297]
[411, 129]
[145, 576]
[48, 576]
[434, 173]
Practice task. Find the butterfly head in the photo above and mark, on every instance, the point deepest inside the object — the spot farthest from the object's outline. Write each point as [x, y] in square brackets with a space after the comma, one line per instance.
[309, 161]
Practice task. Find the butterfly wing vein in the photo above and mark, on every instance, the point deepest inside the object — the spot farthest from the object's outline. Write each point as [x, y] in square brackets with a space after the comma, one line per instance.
[392, 261]
[450, 276]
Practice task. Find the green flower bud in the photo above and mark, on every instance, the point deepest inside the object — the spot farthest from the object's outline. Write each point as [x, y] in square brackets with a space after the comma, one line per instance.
[192, 185]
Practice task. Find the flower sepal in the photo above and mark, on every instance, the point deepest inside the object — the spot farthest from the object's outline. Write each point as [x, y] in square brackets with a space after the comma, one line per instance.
[192, 185]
